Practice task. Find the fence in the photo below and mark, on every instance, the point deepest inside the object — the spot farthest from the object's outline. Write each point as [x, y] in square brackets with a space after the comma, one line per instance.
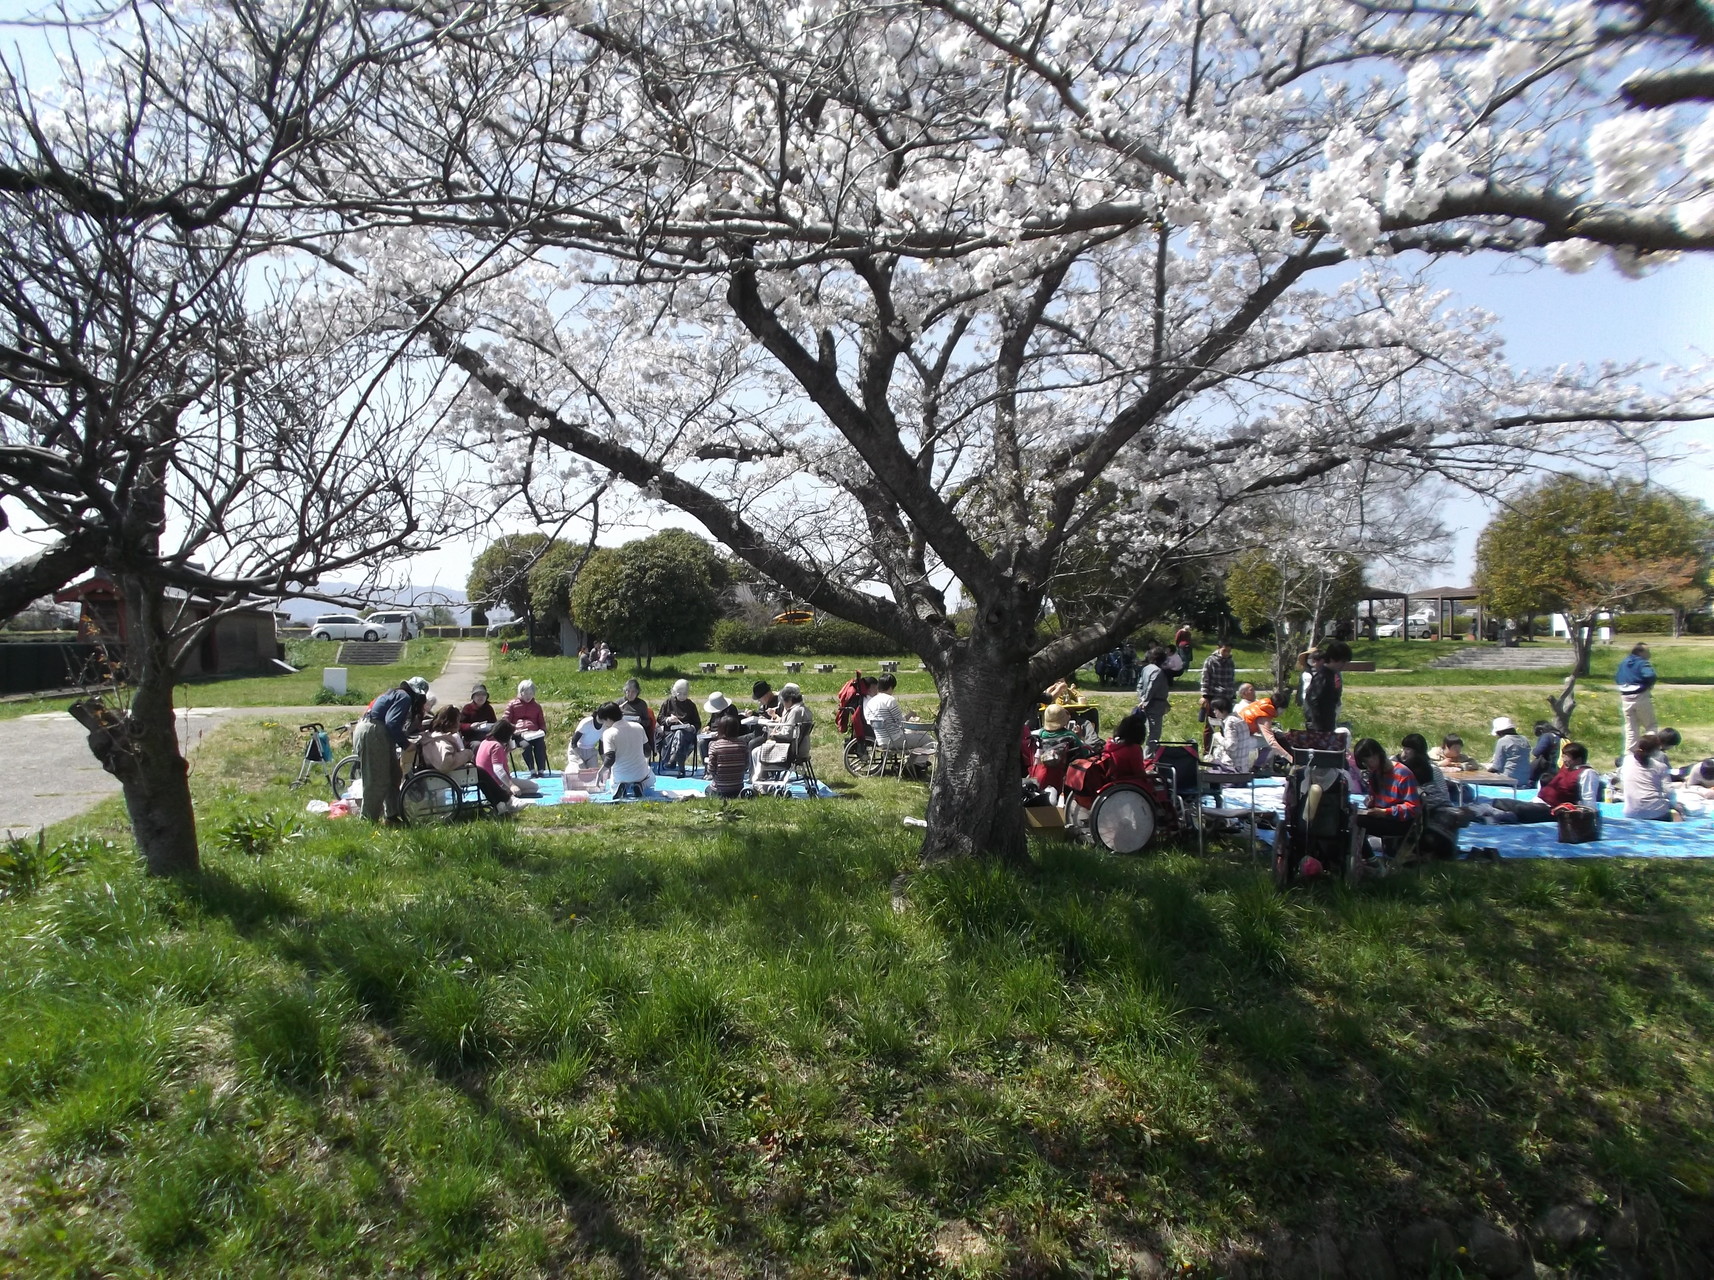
[34, 667]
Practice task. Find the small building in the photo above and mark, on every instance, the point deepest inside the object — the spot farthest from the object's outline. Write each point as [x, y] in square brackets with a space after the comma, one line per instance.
[242, 640]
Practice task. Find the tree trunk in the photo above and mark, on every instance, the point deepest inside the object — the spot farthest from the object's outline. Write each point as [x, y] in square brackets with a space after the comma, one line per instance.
[1582, 641]
[975, 801]
[1677, 622]
[142, 751]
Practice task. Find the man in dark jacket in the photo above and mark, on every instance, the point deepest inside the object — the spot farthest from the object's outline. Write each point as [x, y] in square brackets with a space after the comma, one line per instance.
[1326, 688]
[381, 734]
[1635, 678]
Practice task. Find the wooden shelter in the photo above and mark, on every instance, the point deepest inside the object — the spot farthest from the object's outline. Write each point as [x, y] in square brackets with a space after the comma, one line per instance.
[243, 640]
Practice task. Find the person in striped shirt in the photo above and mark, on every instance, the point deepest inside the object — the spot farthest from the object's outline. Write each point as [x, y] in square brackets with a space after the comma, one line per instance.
[1394, 803]
[728, 756]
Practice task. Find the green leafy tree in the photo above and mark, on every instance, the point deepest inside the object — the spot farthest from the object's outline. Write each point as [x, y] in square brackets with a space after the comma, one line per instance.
[501, 574]
[551, 579]
[1295, 593]
[1583, 547]
[655, 595]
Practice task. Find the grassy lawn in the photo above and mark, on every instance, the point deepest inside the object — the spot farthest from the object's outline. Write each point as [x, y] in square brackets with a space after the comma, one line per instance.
[693, 1039]
[422, 657]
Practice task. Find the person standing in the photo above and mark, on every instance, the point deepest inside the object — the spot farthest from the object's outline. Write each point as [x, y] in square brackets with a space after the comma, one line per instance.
[1219, 680]
[1325, 692]
[1636, 679]
[1153, 688]
[1181, 642]
[383, 731]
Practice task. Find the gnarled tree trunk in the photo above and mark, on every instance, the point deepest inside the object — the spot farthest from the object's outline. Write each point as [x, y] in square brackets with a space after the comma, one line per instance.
[975, 803]
[141, 748]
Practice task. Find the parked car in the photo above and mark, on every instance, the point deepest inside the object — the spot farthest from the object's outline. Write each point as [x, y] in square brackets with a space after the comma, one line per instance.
[1419, 629]
[403, 621]
[348, 626]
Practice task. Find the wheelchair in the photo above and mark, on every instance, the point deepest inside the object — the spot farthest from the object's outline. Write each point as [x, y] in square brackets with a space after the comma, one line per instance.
[863, 757]
[1123, 814]
[426, 796]
[1318, 835]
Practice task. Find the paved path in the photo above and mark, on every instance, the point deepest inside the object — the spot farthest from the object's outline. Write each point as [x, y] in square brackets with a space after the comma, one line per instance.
[53, 776]
[467, 663]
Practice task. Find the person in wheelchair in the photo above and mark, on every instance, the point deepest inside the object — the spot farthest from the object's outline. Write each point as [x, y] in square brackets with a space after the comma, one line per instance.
[780, 736]
[442, 749]
[886, 719]
[1393, 808]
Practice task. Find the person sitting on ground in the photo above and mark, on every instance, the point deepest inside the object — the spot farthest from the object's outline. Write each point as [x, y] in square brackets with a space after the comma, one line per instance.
[1325, 692]
[443, 749]
[382, 732]
[1154, 687]
[679, 723]
[1234, 746]
[1574, 783]
[624, 748]
[1544, 758]
[583, 753]
[780, 738]
[494, 758]
[886, 720]
[634, 708]
[1442, 817]
[1698, 779]
[725, 756]
[1511, 752]
[1393, 805]
[479, 714]
[529, 727]
[1645, 776]
[1449, 756]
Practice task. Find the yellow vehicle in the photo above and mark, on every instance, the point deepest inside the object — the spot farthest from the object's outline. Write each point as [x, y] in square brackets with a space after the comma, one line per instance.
[794, 618]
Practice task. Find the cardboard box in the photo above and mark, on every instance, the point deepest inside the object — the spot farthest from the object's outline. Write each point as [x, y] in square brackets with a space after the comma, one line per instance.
[1042, 820]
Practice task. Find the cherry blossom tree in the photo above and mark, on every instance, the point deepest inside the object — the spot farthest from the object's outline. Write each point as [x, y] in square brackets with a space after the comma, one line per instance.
[889, 296]
[177, 407]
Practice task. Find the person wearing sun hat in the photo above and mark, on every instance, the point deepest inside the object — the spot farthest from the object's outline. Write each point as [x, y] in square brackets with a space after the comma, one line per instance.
[714, 706]
[1056, 743]
[679, 722]
[383, 731]
[1511, 752]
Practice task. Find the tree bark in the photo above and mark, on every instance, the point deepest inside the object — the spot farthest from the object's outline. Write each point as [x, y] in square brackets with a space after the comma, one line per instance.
[142, 751]
[975, 802]
[1582, 641]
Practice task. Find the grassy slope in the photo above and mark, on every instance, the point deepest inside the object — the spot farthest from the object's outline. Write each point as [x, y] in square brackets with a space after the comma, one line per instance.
[422, 657]
[696, 1039]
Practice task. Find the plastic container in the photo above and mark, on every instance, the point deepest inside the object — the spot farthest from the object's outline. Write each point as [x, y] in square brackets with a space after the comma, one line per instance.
[575, 797]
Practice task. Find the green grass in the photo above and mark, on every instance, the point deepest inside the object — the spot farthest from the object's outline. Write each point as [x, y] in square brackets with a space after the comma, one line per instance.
[695, 1038]
[422, 657]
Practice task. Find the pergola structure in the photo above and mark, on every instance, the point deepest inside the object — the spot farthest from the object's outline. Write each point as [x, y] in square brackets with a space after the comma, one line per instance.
[1445, 600]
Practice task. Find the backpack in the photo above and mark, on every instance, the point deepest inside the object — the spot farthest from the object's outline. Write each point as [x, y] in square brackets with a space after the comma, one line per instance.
[1086, 775]
[849, 702]
[1174, 665]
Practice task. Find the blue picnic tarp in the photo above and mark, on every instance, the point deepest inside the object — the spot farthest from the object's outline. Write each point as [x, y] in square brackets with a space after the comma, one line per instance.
[1621, 837]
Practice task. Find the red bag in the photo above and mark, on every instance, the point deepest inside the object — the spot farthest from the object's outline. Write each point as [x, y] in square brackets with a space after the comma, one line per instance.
[849, 702]
[1087, 775]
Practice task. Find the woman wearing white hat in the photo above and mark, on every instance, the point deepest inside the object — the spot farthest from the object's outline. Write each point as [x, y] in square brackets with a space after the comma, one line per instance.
[1511, 752]
[679, 722]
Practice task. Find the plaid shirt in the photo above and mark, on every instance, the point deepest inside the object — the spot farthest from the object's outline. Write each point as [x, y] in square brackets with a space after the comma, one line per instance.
[1397, 796]
[1219, 677]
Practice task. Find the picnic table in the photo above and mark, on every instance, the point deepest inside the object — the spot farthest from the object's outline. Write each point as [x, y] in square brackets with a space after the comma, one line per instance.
[891, 667]
[709, 668]
[1482, 778]
[793, 668]
[825, 668]
[735, 667]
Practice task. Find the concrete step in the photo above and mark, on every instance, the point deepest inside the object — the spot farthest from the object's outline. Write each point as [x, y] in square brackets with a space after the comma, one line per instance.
[1493, 657]
[370, 653]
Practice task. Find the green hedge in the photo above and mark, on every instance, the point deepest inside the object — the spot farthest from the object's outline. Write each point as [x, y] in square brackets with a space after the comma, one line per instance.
[1643, 624]
[830, 636]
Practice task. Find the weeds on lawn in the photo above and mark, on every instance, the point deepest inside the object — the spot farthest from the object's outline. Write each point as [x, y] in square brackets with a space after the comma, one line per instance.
[26, 865]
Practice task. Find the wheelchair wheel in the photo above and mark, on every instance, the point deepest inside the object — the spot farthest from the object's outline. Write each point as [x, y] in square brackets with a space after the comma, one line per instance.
[1123, 818]
[860, 760]
[429, 797]
[343, 775]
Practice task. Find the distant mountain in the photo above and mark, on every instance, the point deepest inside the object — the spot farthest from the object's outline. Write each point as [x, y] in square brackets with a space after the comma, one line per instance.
[422, 599]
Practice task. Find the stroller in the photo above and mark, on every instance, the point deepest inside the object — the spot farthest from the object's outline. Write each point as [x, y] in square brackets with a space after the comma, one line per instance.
[1318, 835]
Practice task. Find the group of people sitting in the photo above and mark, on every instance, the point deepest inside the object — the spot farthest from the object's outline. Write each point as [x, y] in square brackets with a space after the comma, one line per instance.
[596, 656]
[619, 739]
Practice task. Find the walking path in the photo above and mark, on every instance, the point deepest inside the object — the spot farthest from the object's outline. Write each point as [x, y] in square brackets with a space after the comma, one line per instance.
[465, 665]
[54, 776]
